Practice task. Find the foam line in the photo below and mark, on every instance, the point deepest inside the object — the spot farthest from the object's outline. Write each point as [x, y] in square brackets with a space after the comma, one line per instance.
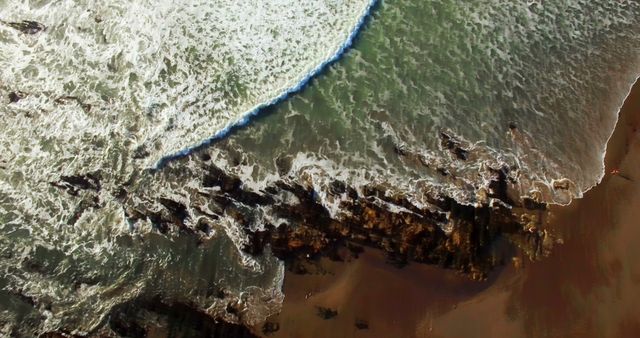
[257, 110]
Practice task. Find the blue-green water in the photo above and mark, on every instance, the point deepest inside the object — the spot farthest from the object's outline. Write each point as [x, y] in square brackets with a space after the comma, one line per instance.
[534, 86]
[559, 72]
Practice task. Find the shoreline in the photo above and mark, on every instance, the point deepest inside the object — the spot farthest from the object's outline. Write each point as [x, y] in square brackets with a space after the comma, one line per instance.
[585, 286]
[630, 92]
[523, 299]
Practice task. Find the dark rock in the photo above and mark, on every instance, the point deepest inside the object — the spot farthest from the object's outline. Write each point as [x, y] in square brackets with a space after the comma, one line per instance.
[443, 172]
[355, 249]
[352, 193]
[362, 324]
[498, 186]
[121, 323]
[309, 231]
[140, 152]
[91, 203]
[173, 215]
[177, 210]
[562, 185]
[399, 150]
[337, 187]
[68, 99]
[221, 294]
[253, 199]
[16, 96]
[283, 164]
[217, 177]
[173, 320]
[27, 27]
[73, 184]
[258, 242]
[271, 190]
[88, 181]
[204, 227]
[270, 327]
[239, 214]
[454, 146]
[533, 205]
[326, 313]
[120, 194]
[411, 236]
[23, 298]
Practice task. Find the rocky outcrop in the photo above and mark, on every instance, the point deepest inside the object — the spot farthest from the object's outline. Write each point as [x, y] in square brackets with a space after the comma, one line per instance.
[86, 187]
[75, 183]
[131, 320]
[409, 235]
[454, 146]
[155, 318]
[448, 234]
[300, 229]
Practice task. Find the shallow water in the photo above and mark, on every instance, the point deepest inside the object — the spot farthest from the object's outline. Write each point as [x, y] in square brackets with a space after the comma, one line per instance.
[586, 287]
[113, 88]
[470, 69]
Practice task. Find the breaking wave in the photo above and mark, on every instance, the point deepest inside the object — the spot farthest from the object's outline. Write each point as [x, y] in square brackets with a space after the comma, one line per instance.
[246, 117]
[101, 91]
[436, 99]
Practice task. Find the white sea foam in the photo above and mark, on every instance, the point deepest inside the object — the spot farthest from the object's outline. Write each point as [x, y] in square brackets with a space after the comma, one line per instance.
[151, 80]
[113, 87]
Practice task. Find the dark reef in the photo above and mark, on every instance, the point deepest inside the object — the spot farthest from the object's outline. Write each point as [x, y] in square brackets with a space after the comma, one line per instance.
[410, 235]
[169, 320]
[468, 238]
[26, 26]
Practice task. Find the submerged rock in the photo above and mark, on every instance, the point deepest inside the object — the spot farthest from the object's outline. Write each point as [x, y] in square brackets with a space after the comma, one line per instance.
[290, 220]
[454, 145]
[139, 318]
[16, 96]
[362, 324]
[27, 26]
[326, 313]
[75, 183]
[448, 233]
[270, 327]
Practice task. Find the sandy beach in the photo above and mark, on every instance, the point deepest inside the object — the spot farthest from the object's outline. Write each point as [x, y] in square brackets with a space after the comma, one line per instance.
[587, 287]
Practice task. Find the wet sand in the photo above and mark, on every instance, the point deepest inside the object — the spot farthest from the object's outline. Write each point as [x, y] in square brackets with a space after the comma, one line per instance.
[589, 286]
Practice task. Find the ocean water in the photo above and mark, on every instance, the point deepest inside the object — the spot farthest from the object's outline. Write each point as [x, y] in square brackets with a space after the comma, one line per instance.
[113, 89]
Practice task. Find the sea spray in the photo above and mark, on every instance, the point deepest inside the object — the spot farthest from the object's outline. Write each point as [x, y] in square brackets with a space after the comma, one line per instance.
[437, 101]
[105, 91]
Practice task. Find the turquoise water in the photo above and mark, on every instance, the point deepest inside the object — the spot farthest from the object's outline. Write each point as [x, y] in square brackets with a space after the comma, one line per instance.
[529, 85]
[558, 72]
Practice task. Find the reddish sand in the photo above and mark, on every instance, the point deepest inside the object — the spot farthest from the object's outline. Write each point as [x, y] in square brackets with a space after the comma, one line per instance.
[588, 287]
